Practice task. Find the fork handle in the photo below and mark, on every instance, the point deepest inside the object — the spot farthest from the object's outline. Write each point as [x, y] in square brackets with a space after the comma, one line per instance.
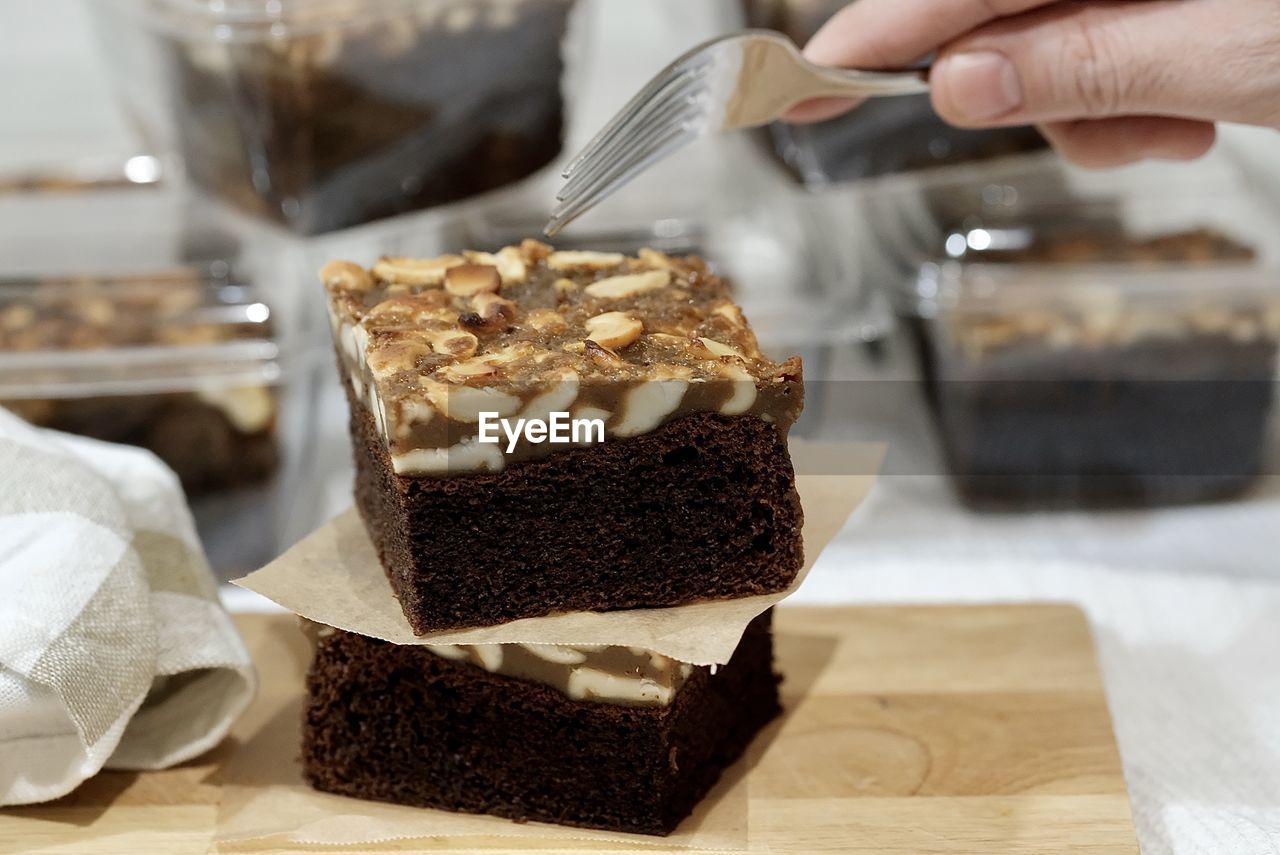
[778, 77]
[826, 82]
[795, 84]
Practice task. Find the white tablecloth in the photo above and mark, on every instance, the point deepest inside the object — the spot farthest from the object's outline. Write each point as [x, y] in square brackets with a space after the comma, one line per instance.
[1190, 656]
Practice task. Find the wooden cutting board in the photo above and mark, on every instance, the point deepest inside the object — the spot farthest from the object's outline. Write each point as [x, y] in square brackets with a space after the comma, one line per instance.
[915, 731]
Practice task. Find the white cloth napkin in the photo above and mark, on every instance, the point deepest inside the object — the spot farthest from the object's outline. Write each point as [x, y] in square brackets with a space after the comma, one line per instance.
[1185, 606]
[114, 649]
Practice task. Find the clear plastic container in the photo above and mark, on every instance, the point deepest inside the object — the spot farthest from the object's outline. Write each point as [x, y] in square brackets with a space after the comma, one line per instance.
[1103, 347]
[128, 317]
[182, 363]
[324, 114]
[884, 135]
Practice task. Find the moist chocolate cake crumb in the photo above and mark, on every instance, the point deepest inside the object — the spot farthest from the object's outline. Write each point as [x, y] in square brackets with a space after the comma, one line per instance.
[703, 507]
[402, 724]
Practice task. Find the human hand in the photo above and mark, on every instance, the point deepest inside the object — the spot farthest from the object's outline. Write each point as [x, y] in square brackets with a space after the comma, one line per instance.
[1108, 82]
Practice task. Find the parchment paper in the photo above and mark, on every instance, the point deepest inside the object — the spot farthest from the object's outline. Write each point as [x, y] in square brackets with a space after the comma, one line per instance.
[334, 577]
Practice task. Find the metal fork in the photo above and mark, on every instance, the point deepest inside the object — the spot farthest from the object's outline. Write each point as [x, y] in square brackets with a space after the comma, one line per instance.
[729, 83]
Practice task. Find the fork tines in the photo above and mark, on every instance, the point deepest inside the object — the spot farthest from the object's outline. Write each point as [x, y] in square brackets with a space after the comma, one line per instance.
[666, 115]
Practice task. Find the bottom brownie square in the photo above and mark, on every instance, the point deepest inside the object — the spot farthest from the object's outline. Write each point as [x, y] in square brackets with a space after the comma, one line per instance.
[610, 738]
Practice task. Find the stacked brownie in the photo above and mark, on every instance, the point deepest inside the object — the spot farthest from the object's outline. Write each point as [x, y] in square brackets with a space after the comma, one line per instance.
[678, 488]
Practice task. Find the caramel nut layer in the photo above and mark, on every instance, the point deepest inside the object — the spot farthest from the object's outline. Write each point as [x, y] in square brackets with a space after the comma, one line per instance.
[635, 341]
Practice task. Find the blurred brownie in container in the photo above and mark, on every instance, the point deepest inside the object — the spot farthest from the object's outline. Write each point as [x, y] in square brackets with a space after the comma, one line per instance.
[325, 115]
[672, 484]
[180, 363]
[1081, 365]
[616, 738]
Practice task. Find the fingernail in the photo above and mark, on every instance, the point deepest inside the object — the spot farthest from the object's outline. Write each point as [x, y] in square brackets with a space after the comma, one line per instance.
[982, 85]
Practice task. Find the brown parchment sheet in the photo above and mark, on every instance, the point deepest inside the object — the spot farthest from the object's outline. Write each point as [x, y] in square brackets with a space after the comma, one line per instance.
[333, 577]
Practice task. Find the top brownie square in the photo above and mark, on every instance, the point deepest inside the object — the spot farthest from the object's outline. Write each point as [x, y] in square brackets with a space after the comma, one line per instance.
[678, 488]
[429, 345]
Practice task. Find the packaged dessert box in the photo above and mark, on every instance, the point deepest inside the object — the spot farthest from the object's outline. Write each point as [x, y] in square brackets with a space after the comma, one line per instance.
[135, 316]
[323, 114]
[184, 363]
[180, 362]
[1100, 355]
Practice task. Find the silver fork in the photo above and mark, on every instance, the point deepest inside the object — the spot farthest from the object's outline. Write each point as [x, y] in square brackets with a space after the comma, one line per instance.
[729, 83]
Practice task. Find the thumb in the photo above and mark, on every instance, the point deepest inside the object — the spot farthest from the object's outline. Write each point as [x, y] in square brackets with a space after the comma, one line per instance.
[1198, 59]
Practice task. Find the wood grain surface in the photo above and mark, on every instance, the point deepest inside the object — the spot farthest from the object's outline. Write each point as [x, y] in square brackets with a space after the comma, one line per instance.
[923, 730]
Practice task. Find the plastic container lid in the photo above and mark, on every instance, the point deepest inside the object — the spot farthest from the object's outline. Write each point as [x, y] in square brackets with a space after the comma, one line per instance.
[144, 291]
[258, 20]
[181, 330]
[1146, 235]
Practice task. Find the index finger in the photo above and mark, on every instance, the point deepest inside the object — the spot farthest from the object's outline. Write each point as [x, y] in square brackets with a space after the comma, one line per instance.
[874, 34]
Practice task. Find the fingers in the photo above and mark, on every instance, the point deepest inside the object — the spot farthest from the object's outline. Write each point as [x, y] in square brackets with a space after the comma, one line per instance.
[893, 33]
[1197, 59]
[1105, 143]
[889, 33]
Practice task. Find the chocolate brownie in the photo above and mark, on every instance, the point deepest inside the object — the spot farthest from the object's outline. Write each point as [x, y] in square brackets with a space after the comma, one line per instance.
[600, 737]
[216, 437]
[349, 116]
[686, 494]
[1063, 393]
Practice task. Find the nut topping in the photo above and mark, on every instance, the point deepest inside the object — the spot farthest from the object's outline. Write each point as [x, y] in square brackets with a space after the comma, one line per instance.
[597, 353]
[456, 343]
[490, 306]
[631, 285]
[502, 331]
[345, 275]
[533, 251]
[585, 260]
[487, 365]
[670, 340]
[721, 350]
[614, 330]
[466, 403]
[547, 321]
[509, 261]
[468, 280]
[17, 317]
[655, 259]
[415, 271]
[491, 314]
[410, 310]
[731, 313]
[393, 351]
[471, 369]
